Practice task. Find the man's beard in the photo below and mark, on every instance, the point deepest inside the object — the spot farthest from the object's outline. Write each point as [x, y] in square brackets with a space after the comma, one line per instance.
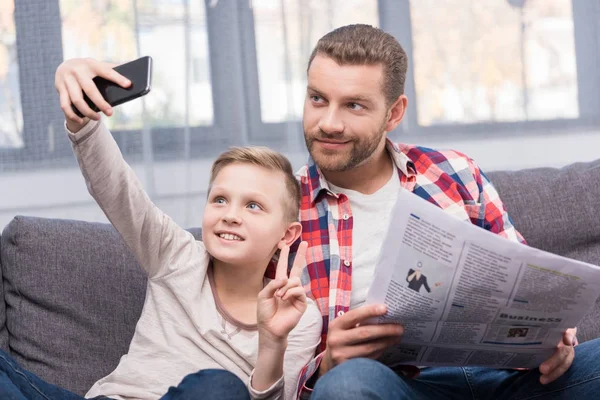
[360, 150]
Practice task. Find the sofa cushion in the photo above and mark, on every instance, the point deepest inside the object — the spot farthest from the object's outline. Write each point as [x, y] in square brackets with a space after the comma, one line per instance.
[557, 210]
[3, 330]
[74, 293]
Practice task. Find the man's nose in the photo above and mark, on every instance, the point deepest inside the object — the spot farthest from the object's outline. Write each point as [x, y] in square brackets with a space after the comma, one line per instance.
[331, 122]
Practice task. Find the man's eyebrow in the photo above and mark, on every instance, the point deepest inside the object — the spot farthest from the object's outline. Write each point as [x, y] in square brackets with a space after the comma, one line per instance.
[350, 98]
[312, 89]
[358, 98]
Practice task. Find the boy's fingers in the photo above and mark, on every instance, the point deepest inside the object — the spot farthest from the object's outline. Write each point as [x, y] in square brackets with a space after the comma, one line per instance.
[295, 292]
[106, 71]
[291, 283]
[65, 104]
[76, 95]
[269, 290]
[281, 271]
[94, 94]
[299, 260]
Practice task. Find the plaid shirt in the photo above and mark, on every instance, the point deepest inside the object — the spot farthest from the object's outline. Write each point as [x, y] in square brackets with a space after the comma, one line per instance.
[447, 179]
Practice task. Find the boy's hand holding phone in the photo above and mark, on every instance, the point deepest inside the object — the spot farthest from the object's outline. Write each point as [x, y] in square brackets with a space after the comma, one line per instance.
[74, 78]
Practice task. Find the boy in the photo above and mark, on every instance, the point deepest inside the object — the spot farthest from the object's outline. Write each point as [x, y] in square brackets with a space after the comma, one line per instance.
[208, 305]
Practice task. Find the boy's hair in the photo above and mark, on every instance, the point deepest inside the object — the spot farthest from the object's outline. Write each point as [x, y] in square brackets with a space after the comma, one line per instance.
[269, 159]
[366, 45]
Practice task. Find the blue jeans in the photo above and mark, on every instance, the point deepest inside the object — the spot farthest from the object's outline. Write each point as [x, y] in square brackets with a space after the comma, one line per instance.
[363, 378]
[18, 384]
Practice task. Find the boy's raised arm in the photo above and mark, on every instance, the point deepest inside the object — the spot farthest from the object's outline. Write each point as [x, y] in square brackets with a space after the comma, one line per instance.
[153, 237]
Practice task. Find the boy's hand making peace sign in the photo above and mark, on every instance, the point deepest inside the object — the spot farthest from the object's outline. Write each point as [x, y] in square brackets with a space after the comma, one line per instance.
[282, 302]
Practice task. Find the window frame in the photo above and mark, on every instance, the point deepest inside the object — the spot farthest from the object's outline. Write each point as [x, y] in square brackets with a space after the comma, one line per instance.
[38, 26]
[394, 18]
[236, 95]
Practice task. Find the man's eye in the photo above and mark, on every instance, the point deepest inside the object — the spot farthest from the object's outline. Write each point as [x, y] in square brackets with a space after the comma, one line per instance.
[316, 98]
[219, 200]
[355, 106]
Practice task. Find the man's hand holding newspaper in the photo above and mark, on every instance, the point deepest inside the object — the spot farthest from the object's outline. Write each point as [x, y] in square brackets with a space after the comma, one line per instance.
[466, 296]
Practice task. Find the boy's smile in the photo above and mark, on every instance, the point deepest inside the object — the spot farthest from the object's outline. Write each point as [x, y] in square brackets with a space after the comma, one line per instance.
[229, 236]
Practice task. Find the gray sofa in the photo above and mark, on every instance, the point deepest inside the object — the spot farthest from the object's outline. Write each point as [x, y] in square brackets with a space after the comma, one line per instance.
[71, 291]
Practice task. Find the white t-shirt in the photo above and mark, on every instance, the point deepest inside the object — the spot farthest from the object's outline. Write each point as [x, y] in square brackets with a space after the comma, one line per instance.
[370, 214]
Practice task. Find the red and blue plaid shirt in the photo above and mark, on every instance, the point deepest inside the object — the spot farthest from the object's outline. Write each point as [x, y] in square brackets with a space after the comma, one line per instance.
[447, 179]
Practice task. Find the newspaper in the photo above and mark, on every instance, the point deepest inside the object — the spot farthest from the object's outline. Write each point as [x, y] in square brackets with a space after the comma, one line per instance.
[466, 296]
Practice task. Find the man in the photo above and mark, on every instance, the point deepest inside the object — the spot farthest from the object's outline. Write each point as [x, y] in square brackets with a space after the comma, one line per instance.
[354, 96]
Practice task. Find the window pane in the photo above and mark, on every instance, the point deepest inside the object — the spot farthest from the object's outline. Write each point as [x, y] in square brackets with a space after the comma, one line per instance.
[11, 118]
[493, 60]
[107, 30]
[286, 32]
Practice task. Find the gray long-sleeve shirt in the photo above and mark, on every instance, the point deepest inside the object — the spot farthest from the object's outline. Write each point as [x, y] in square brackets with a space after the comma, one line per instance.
[182, 328]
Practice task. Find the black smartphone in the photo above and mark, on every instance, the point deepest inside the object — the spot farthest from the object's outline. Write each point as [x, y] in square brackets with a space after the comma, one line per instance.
[139, 72]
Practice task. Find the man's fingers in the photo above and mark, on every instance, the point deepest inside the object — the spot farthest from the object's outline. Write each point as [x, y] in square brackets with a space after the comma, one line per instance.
[372, 349]
[282, 263]
[556, 360]
[359, 315]
[569, 337]
[369, 333]
[554, 375]
[299, 260]
[560, 369]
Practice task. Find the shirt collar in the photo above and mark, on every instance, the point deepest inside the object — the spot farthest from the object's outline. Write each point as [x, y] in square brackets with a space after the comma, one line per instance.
[318, 184]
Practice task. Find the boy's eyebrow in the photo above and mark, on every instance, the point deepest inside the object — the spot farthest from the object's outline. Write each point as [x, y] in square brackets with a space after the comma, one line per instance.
[253, 194]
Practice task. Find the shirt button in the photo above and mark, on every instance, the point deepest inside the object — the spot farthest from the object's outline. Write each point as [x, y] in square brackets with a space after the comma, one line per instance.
[345, 216]
[346, 263]
[340, 313]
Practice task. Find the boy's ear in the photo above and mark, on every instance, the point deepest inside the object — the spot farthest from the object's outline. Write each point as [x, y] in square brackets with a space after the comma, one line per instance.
[292, 233]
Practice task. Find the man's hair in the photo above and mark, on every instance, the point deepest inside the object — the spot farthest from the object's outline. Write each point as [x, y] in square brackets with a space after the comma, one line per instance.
[269, 159]
[366, 45]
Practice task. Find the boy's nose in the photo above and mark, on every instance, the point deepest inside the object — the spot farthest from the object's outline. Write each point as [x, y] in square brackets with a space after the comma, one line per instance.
[231, 218]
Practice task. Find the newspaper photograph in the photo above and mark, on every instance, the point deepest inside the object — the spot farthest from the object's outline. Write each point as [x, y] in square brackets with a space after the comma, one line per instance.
[467, 296]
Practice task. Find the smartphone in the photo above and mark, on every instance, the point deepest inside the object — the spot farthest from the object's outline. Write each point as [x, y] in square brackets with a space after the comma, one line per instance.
[139, 72]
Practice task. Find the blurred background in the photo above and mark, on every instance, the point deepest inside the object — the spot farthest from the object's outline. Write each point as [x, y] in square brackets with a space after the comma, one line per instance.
[512, 83]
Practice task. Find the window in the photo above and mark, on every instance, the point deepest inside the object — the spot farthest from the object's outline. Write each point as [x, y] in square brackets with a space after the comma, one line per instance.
[493, 61]
[11, 117]
[173, 33]
[286, 32]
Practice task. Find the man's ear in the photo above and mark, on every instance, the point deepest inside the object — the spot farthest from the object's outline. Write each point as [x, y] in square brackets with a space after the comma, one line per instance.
[396, 113]
[292, 233]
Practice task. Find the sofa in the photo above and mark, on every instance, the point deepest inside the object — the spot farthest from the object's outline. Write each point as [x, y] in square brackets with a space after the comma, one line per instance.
[72, 292]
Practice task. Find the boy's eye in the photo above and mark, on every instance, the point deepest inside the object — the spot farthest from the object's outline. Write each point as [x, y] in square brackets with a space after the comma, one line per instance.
[254, 206]
[315, 98]
[219, 200]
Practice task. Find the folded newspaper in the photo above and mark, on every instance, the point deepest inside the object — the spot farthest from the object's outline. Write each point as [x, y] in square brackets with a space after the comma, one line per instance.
[467, 296]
